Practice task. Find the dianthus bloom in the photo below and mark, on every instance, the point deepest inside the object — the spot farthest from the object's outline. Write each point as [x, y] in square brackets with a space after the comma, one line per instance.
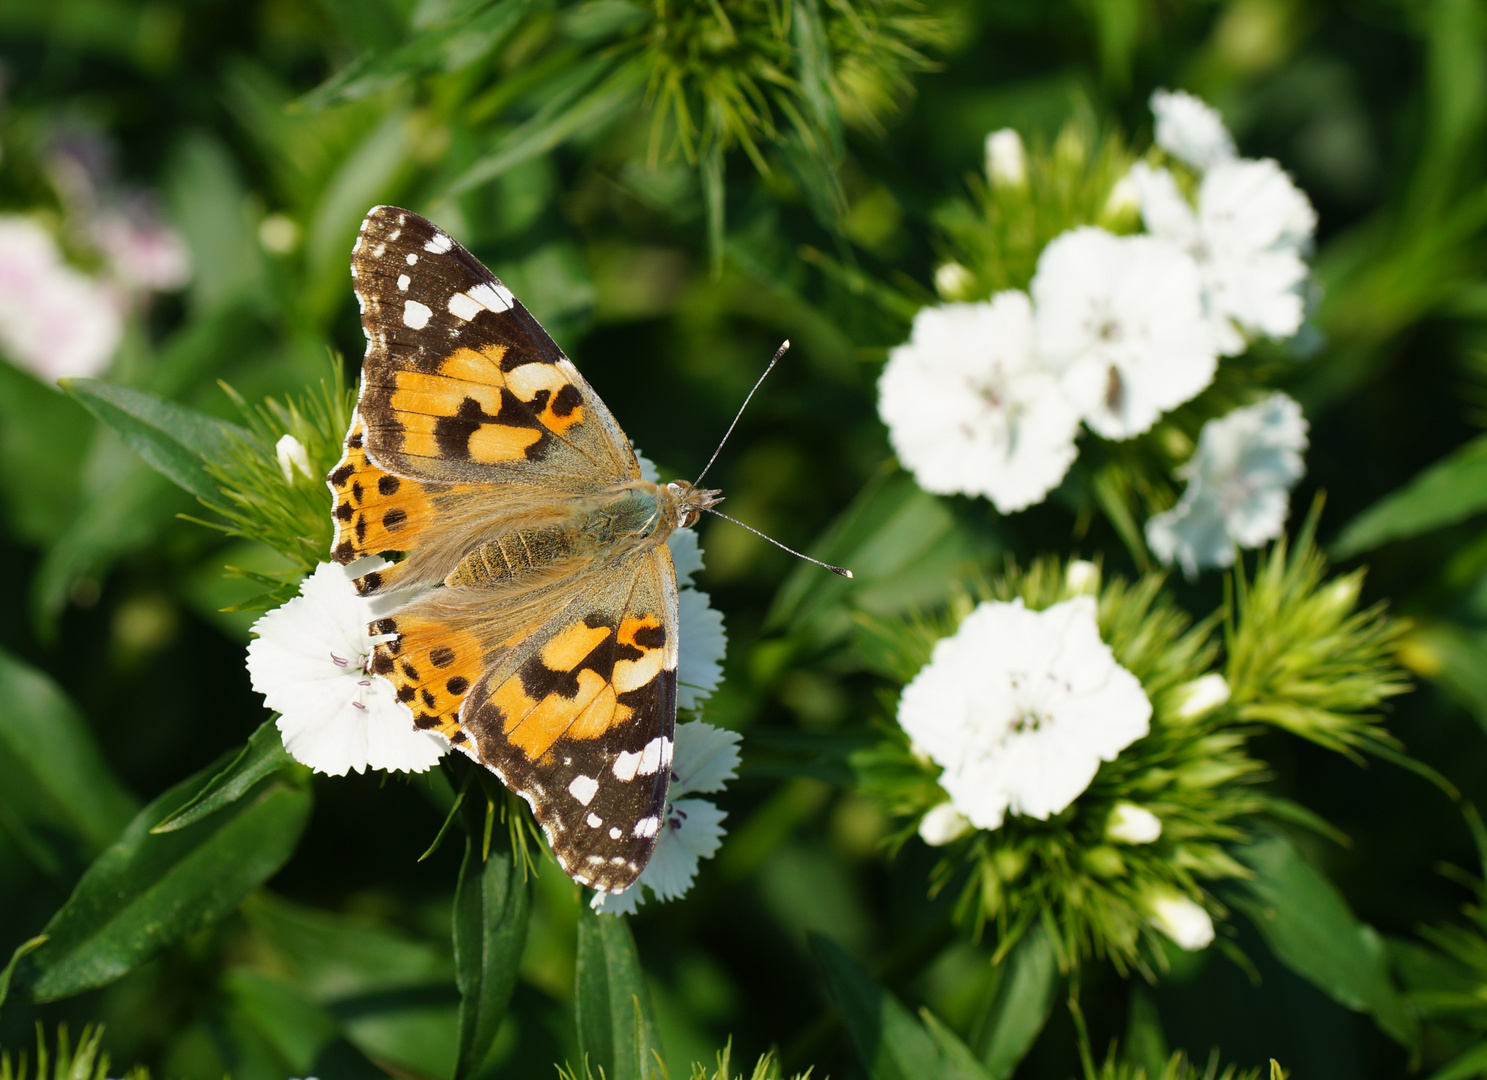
[55, 321]
[1190, 129]
[971, 410]
[1121, 319]
[1239, 486]
[1019, 708]
[310, 663]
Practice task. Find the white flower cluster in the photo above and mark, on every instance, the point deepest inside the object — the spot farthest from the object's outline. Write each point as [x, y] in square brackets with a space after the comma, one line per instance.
[987, 398]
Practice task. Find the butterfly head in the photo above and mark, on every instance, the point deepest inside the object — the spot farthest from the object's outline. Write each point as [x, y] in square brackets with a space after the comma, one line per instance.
[691, 501]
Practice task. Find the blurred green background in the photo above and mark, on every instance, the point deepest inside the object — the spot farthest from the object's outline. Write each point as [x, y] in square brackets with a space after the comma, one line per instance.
[670, 273]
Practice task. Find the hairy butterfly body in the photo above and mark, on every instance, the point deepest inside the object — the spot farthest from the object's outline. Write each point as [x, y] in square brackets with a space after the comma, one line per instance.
[542, 638]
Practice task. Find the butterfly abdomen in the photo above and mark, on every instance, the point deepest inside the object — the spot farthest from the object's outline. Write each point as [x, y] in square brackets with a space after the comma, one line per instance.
[516, 556]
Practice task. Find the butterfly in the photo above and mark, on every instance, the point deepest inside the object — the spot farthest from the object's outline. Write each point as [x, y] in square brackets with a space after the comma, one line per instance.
[543, 639]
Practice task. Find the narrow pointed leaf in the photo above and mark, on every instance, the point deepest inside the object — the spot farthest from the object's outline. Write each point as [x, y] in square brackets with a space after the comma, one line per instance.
[171, 438]
[891, 1043]
[149, 891]
[1026, 990]
[59, 801]
[1443, 494]
[616, 1029]
[492, 904]
[1309, 927]
[262, 756]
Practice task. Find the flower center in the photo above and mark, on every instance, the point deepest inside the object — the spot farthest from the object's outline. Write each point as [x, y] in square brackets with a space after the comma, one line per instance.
[360, 664]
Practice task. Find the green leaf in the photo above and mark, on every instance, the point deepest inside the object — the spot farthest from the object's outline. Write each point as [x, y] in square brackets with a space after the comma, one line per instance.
[43, 443]
[1443, 494]
[1472, 1063]
[148, 891]
[492, 903]
[1028, 981]
[561, 119]
[616, 1029]
[890, 1042]
[448, 45]
[903, 546]
[261, 756]
[58, 799]
[172, 439]
[1309, 927]
[23, 950]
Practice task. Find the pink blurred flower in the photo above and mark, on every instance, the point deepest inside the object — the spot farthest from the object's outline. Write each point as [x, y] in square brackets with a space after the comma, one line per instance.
[55, 320]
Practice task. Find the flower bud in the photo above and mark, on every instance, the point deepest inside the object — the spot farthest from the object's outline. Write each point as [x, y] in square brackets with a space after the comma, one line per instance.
[1132, 824]
[1201, 696]
[1082, 578]
[1006, 160]
[942, 825]
[292, 455]
[953, 281]
[1182, 920]
[1123, 204]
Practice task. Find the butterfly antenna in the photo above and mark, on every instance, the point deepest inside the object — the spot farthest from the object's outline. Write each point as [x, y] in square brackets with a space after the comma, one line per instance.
[778, 353]
[842, 570]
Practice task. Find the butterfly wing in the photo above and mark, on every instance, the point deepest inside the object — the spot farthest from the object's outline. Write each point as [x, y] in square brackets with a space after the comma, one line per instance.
[460, 383]
[566, 692]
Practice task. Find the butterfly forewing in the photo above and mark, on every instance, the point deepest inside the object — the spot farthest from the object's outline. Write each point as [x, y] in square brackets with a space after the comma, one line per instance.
[460, 383]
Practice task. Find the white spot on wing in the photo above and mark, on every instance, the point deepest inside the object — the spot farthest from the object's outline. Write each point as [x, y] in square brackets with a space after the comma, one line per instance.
[583, 788]
[648, 826]
[667, 749]
[403, 281]
[650, 758]
[493, 297]
[412, 259]
[595, 821]
[378, 250]
[625, 765]
[615, 833]
[462, 306]
[439, 244]
[416, 316]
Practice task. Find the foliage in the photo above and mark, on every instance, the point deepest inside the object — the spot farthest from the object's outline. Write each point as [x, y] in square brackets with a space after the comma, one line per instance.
[673, 187]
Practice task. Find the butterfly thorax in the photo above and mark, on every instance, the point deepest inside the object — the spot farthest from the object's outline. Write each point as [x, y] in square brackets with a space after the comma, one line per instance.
[616, 523]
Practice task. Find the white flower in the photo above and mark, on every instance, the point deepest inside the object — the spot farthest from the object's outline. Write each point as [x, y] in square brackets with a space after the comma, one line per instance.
[1190, 129]
[1201, 696]
[309, 661]
[706, 759]
[1246, 235]
[1132, 824]
[1006, 160]
[1121, 319]
[292, 455]
[1182, 920]
[55, 321]
[942, 824]
[1239, 483]
[969, 408]
[953, 281]
[1020, 707]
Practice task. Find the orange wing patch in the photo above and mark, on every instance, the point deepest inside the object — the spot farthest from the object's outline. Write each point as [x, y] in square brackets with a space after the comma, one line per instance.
[432, 668]
[375, 511]
[581, 685]
[474, 407]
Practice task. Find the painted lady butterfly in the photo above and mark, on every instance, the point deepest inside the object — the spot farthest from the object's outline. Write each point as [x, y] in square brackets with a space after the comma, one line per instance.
[544, 644]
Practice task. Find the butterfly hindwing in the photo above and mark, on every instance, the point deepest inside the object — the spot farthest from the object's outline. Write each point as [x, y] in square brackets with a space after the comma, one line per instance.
[460, 383]
[583, 725]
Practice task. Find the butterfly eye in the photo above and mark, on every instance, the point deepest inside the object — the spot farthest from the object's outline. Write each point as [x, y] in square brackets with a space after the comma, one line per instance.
[688, 520]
